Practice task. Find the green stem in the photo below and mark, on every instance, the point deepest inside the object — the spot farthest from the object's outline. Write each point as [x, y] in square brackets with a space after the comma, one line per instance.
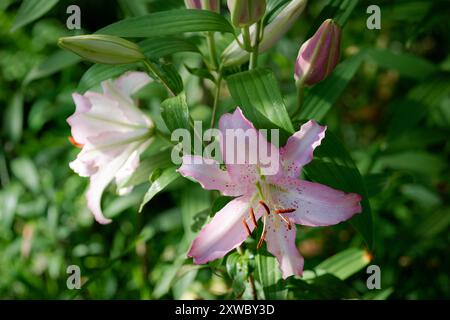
[253, 60]
[216, 99]
[155, 72]
[255, 49]
[212, 50]
[251, 280]
[164, 137]
[247, 39]
[300, 99]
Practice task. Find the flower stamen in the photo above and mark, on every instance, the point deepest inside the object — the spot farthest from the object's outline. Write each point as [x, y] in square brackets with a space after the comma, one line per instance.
[246, 227]
[252, 215]
[281, 211]
[265, 206]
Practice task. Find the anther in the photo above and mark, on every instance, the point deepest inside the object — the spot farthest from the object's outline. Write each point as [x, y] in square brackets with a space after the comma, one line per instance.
[246, 227]
[281, 211]
[266, 207]
[252, 215]
[74, 143]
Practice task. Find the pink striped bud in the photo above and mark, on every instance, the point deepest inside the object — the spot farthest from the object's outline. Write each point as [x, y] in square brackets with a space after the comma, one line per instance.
[246, 12]
[273, 31]
[319, 55]
[211, 5]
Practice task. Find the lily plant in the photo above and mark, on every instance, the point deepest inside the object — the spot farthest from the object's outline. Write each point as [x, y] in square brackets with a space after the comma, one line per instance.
[280, 200]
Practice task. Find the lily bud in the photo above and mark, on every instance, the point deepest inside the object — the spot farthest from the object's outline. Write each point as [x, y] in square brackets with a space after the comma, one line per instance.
[246, 12]
[211, 5]
[234, 54]
[319, 55]
[103, 48]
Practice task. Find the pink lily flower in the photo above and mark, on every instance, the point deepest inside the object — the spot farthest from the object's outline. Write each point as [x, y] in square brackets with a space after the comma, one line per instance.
[280, 200]
[112, 133]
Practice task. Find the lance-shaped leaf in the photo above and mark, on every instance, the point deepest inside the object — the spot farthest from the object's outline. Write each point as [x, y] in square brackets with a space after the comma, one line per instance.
[268, 275]
[175, 112]
[342, 265]
[168, 23]
[166, 177]
[257, 93]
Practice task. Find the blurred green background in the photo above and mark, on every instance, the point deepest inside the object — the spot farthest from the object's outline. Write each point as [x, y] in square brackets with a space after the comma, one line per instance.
[394, 118]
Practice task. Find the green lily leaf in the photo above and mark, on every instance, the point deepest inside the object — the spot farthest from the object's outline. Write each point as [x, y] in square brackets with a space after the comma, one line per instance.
[166, 23]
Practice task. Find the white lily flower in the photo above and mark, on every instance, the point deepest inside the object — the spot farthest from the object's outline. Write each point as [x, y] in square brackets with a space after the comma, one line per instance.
[112, 132]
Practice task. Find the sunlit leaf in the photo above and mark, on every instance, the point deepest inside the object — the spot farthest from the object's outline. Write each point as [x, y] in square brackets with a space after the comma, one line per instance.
[175, 113]
[269, 276]
[257, 93]
[342, 265]
[168, 23]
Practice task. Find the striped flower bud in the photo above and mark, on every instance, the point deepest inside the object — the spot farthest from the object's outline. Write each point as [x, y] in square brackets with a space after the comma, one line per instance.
[211, 5]
[103, 48]
[319, 55]
[246, 12]
[234, 54]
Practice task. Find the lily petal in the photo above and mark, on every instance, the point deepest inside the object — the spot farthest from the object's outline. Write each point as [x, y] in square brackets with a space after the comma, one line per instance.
[281, 243]
[127, 170]
[299, 148]
[131, 82]
[100, 180]
[224, 233]
[240, 146]
[207, 172]
[315, 203]
[104, 114]
[100, 150]
[121, 90]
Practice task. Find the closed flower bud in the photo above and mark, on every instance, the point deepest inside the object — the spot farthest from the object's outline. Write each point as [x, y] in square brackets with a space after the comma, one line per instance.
[246, 12]
[103, 49]
[319, 55]
[211, 5]
[234, 54]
